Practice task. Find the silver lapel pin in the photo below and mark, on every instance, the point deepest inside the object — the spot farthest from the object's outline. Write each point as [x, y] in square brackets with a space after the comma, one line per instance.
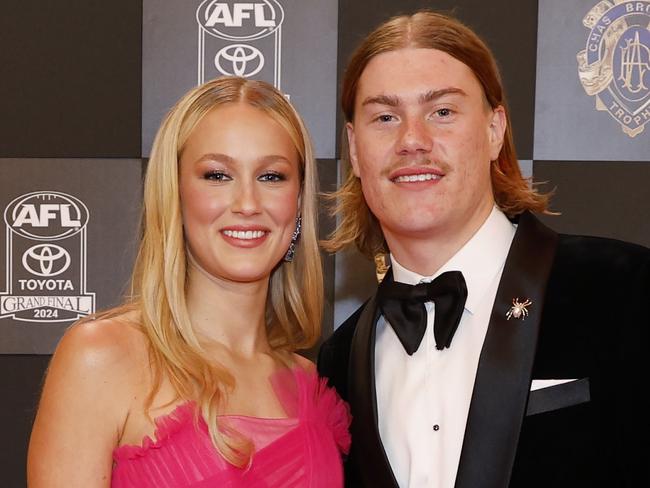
[518, 309]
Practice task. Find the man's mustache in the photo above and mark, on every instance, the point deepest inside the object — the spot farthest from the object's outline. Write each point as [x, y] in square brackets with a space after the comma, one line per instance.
[417, 162]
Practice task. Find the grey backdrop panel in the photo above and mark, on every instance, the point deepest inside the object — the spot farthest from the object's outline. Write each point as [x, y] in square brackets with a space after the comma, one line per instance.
[110, 189]
[567, 124]
[302, 49]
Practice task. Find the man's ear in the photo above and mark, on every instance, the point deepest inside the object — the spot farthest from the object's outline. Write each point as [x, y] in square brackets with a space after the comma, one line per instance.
[497, 130]
[352, 148]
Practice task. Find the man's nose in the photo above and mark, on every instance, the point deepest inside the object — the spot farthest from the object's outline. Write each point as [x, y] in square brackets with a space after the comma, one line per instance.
[415, 137]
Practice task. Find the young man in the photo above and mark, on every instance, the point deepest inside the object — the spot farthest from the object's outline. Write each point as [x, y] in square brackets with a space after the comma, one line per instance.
[521, 363]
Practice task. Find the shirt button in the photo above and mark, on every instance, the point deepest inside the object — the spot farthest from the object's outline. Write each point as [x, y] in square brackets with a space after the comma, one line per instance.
[436, 427]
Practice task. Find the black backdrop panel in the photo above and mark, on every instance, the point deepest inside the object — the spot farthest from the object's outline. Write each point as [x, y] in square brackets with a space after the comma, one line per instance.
[327, 182]
[509, 29]
[608, 199]
[70, 78]
[20, 384]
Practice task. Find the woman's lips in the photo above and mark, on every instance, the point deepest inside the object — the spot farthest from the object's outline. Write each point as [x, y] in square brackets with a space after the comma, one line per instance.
[244, 237]
[244, 234]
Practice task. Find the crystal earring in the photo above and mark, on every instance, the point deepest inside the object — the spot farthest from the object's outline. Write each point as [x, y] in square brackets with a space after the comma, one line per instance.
[288, 257]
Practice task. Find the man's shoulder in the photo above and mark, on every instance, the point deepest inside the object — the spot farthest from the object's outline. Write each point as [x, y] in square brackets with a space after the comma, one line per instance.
[591, 269]
[577, 252]
[334, 354]
[602, 254]
[342, 336]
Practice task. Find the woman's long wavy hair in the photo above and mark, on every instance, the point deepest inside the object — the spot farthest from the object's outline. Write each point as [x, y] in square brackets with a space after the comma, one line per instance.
[425, 29]
[159, 280]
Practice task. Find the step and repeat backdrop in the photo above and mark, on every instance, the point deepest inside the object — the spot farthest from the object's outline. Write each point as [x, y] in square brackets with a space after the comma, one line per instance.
[85, 84]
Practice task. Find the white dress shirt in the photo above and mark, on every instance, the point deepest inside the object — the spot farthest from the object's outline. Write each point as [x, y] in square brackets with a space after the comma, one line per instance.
[423, 400]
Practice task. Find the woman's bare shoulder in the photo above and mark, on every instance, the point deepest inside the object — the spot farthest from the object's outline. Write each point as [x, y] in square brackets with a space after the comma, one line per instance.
[108, 351]
[106, 342]
[303, 362]
[93, 376]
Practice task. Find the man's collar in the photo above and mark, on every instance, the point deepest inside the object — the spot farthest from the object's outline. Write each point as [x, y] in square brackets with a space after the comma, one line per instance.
[479, 259]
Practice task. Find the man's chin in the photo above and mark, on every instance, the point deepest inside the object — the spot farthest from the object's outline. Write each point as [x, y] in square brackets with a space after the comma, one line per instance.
[414, 227]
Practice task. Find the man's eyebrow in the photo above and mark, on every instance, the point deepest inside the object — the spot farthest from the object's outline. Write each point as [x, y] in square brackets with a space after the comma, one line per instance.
[433, 95]
[395, 101]
[389, 100]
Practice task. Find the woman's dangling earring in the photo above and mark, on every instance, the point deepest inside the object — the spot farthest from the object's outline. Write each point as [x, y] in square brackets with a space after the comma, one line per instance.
[288, 257]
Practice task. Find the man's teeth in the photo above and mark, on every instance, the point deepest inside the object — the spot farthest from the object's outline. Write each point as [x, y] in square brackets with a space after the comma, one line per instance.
[244, 234]
[421, 177]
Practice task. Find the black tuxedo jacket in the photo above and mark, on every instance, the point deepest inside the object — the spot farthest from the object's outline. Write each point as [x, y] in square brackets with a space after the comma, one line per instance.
[589, 320]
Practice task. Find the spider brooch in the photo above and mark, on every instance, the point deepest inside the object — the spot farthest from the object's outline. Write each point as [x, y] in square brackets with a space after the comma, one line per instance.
[518, 309]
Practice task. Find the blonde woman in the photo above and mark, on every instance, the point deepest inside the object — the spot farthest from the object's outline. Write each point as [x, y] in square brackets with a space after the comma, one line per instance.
[195, 382]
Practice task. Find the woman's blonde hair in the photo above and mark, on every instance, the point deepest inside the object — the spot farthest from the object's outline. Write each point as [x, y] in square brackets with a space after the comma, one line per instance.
[431, 30]
[294, 304]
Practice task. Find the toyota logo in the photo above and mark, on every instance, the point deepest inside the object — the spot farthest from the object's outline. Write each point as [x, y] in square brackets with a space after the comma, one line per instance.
[239, 60]
[46, 260]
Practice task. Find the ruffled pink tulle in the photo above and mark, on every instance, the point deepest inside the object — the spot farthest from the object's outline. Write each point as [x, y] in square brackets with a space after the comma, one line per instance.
[303, 450]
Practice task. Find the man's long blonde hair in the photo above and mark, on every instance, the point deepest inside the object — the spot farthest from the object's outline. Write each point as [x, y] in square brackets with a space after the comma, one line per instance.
[159, 280]
[431, 30]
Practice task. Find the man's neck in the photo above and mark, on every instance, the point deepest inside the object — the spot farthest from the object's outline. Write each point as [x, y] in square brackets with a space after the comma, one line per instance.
[426, 255]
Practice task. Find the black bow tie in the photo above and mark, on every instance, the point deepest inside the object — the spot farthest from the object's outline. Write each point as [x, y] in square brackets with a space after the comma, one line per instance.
[403, 306]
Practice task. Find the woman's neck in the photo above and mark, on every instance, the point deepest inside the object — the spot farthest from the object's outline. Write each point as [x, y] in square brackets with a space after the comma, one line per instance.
[229, 313]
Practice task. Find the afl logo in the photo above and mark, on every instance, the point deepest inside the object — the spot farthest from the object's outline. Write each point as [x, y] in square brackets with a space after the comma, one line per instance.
[46, 260]
[46, 216]
[239, 60]
[235, 21]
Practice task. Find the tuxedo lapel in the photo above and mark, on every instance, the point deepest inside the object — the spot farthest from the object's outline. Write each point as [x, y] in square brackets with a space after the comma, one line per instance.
[368, 451]
[505, 364]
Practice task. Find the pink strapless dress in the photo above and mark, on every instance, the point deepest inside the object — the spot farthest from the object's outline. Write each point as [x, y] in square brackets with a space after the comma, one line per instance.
[304, 450]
